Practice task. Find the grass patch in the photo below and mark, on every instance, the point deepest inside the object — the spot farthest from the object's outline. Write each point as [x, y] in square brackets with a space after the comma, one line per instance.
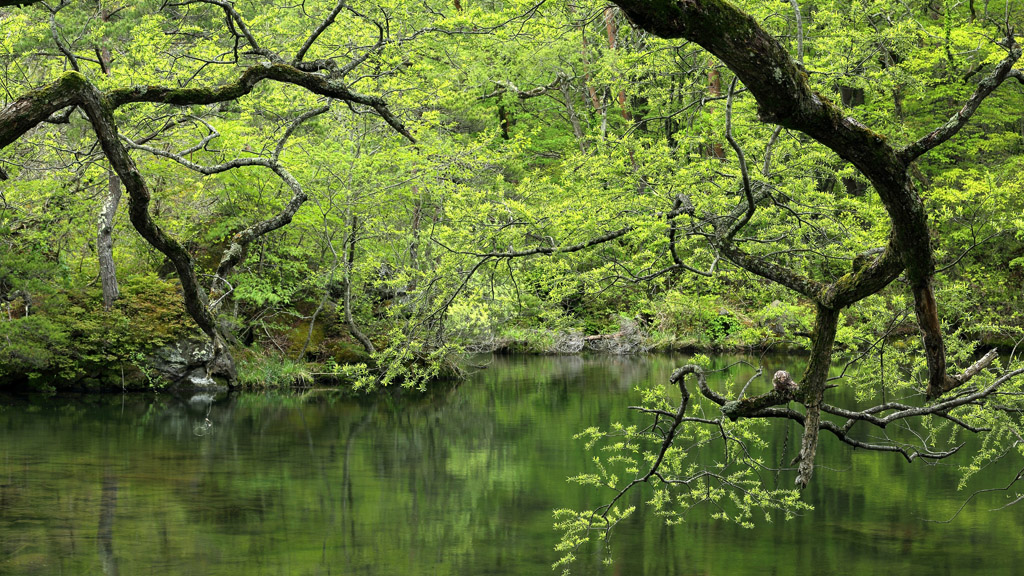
[261, 371]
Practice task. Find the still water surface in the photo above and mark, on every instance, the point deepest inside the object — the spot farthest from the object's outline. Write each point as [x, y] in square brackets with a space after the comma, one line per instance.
[463, 482]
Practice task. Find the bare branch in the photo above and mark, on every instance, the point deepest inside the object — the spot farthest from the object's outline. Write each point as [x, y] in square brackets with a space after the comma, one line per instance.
[774, 272]
[751, 204]
[350, 257]
[953, 382]
[799, 31]
[1002, 71]
[319, 30]
[234, 19]
[65, 50]
[785, 97]
[678, 377]
[1020, 474]
[294, 125]
[681, 205]
[238, 249]
[941, 409]
[504, 86]
[606, 237]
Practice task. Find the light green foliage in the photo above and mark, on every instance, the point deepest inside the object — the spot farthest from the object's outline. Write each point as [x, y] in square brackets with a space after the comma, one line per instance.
[538, 128]
[717, 469]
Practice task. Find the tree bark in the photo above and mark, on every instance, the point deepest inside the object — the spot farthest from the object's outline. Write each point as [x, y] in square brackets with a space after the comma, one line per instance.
[813, 388]
[105, 225]
[238, 250]
[350, 256]
[612, 29]
[322, 77]
[715, 149]
[105, 241]
[574, 120]
[584, 50]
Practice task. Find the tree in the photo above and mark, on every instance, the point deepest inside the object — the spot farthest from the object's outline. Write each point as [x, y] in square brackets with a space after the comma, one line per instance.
[249, 62]
[791, 97]
[785, 97]
[595, 171]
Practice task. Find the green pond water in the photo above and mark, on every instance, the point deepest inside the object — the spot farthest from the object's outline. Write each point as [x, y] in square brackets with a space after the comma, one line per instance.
[460, 482]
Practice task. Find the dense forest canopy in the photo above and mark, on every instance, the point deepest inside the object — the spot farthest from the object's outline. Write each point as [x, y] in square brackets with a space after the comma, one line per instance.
[369, 190]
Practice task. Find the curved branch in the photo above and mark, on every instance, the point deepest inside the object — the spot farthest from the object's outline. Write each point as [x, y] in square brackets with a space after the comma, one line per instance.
[606, 237]
[350, 257]
[37, 105]
[238, 249]
[65, 50]
[910, 456]
[89, 98]
[784, 97]
[235, 19]
[503, 86]
[864, 281]
[678, 377]
[294, 126]
[315, 83]
[779, 274]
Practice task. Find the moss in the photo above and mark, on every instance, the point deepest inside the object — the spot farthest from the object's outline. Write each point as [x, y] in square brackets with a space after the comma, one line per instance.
[297, 335]
[342, 352]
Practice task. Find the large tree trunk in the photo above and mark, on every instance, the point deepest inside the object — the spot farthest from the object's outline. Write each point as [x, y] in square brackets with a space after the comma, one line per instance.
[105, 241]
[72, 89]
[105, 224]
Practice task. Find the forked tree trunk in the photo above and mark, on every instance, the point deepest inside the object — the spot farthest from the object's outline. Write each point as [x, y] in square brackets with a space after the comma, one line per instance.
[785, 97]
